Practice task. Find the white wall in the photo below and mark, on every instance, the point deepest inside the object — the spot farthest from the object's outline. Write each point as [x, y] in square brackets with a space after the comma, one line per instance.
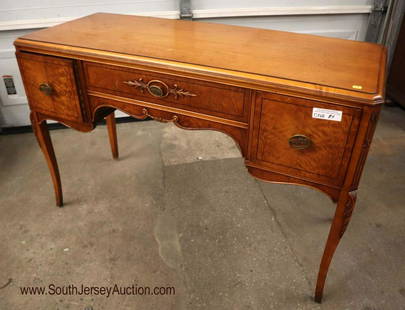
[210, 4]
[14, 10]
[352, 27]
[336, 18]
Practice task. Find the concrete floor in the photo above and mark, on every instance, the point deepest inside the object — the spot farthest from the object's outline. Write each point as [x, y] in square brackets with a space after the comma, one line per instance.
[179, 209]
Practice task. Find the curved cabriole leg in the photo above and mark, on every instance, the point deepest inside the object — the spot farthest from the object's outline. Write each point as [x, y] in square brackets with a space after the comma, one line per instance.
[44, 140]
[112, 134]
[340, 222]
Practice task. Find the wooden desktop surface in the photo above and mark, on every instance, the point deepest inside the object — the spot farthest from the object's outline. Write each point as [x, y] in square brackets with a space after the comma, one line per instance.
[328, 62]
[302, 108]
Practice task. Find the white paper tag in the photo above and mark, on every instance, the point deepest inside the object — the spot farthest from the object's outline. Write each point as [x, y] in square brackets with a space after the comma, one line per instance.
[330, 115]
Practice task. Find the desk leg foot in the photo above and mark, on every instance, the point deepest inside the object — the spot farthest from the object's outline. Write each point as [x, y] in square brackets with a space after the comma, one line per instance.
[344, 209]
[44, 140]
[112, 134]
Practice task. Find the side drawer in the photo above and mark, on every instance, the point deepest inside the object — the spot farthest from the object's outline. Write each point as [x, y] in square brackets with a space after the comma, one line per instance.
[167, 90]
[50, 85]
[288, 139]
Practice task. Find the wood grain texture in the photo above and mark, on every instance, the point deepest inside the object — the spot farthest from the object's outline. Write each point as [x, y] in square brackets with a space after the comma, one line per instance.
[271, 53]
[223, 76]
[372, 124]
[208, 98]
[149, 104]
[179, 119]
[112, 134]
[59, 75]
[282, 117]
[275, 177]
[255, 57]
[257, 86]
[339, 225]
[45, 143]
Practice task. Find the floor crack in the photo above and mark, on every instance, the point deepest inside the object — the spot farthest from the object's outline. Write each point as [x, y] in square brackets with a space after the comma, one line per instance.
[301, 266]
[7, 284]
[163, 167]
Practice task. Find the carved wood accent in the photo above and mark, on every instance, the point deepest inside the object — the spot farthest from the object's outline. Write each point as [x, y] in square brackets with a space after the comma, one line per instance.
[137, 84]
[365, 147]
[176, 91]
[343, 213]
[234, 103]
[174, 119]
[261, 94]
[189, 122]
[45, 143]
[348, 211]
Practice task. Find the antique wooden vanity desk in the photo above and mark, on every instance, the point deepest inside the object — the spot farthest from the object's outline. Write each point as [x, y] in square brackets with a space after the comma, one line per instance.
[302, 108]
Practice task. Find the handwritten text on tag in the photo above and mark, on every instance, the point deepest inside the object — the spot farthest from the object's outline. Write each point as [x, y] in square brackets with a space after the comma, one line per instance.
[330, 115]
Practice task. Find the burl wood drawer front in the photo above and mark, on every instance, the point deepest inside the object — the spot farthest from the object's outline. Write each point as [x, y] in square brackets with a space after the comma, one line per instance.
[50, 85]
[291, 140]
[179, 92]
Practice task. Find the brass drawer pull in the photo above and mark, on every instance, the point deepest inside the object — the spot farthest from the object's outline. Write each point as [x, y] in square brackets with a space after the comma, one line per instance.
[299, 142]
[46, 89]
[174, 119]
[159, 89]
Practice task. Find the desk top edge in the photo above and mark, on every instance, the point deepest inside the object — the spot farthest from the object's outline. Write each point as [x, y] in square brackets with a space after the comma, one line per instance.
[43, 41]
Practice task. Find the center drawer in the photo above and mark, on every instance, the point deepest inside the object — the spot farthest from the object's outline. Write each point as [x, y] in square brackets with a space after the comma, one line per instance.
[163, 89]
